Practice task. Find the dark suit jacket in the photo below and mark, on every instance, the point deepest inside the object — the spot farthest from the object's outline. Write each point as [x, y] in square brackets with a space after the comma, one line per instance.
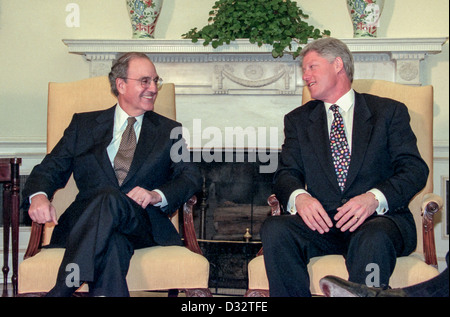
[82, 151]
[384, 156]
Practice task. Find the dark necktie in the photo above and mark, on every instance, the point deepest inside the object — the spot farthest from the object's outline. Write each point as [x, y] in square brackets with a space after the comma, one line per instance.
[339, 147]
[122, 161]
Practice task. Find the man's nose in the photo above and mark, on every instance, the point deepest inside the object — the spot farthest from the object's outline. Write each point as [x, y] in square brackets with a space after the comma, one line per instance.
[306, 75]
[153, 86]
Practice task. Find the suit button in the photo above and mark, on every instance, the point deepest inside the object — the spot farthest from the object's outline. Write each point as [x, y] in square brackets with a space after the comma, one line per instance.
[344, 201]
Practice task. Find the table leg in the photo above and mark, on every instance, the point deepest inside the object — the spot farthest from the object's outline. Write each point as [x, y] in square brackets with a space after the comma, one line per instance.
[6, 225]
[15, 210]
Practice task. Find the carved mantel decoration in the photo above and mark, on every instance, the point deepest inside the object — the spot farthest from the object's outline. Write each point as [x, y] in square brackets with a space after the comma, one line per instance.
[404, 53]
[242, 78]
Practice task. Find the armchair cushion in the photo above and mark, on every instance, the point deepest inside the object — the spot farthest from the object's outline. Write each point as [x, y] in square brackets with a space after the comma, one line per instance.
[155, 268]
[409, 270]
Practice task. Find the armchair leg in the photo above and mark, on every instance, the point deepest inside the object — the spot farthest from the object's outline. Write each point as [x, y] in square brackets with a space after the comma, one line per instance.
[200, 292]
[257, 293]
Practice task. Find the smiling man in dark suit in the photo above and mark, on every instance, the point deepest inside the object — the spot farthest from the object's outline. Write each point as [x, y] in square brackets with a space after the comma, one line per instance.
[128, 184]
[348, 168]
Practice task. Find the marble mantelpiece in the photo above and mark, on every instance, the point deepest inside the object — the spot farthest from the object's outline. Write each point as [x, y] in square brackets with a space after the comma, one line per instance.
[242, 86]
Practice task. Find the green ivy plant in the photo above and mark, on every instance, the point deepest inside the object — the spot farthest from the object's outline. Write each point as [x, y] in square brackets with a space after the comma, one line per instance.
[275, 22]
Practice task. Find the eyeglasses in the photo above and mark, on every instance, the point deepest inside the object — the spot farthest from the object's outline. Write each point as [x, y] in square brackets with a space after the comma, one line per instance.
[147, 81]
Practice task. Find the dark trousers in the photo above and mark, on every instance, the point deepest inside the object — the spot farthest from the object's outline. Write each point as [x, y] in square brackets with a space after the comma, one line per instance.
[435, 287]
[101, 244]
[289, 245]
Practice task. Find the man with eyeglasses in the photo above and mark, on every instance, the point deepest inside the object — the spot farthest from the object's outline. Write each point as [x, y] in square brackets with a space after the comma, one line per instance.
[128, 184]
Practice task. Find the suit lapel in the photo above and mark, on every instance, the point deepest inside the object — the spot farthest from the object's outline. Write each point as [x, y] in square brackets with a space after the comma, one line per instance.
[102, 134]
[362, 131]
[318, 130]
[149, 133]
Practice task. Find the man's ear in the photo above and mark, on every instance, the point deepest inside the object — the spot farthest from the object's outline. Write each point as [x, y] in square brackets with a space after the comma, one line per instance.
[120, 84]
[339, 65]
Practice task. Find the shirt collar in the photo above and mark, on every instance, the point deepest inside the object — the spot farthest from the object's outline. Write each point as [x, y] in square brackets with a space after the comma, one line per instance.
[345, 102]
[121, 117]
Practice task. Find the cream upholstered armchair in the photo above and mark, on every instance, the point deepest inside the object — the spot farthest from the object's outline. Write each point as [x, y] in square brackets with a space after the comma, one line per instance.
[413, 269]
[170, 268]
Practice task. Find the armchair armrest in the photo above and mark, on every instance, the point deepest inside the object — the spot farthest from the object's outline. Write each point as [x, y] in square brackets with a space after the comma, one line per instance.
[431, 204]
[190, 239]
[274, 205]
[35, 242]
[275, 211]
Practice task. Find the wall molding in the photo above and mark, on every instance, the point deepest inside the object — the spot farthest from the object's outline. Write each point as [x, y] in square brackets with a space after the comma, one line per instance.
[441, 150]
[32, 150]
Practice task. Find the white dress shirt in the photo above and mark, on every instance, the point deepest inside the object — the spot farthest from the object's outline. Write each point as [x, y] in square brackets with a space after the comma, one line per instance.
[346, 109]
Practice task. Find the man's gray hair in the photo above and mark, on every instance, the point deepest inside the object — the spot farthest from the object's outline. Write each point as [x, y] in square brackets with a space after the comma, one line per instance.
[331, 48]
[120, 68]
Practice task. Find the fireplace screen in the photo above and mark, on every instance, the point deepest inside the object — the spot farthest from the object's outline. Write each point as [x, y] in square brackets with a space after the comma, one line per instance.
[233, 202]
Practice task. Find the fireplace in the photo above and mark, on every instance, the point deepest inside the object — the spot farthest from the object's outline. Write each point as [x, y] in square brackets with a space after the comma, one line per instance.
[233, 201]
[231, 209]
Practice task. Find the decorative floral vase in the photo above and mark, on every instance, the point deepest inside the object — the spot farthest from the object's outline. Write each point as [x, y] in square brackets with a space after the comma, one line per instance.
[144, 15]
[365, 16]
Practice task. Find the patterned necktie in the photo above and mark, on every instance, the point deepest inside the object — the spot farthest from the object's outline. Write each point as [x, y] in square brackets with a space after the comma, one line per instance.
[122, 161]
[339, 147]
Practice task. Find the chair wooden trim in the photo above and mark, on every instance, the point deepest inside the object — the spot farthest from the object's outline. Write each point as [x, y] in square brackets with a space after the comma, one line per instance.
[431, 205]
[190, 240]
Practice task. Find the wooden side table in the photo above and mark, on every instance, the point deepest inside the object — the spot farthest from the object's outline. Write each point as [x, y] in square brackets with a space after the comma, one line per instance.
[9, 176]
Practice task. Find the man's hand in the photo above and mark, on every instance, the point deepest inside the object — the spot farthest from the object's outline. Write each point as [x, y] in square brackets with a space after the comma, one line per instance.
[41, 210]
[144, 197]
[355, 212]
[312, 213]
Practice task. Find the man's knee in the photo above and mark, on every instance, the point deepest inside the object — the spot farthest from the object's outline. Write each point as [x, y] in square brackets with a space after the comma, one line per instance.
[272, 227]
[378, 233]
[279, 228]
[108, 193]
[109, 204]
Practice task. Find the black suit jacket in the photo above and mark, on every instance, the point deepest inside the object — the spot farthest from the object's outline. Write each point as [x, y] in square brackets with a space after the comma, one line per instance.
[384, 156]
[82, 151]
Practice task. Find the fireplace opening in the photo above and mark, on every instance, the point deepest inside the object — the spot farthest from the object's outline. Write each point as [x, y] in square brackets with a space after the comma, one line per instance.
[233, 202]
[230, 211]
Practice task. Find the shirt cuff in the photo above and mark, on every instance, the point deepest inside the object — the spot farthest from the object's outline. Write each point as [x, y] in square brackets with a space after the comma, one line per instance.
[291, 203]
[163, 202]
[383, 206]
[35, 194]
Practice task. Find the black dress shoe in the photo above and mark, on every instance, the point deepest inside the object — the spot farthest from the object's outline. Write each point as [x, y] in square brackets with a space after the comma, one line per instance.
[333, 286]
[61, 291]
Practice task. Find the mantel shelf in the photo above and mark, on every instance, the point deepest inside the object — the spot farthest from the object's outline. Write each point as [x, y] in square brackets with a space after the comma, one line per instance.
[243, 46]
